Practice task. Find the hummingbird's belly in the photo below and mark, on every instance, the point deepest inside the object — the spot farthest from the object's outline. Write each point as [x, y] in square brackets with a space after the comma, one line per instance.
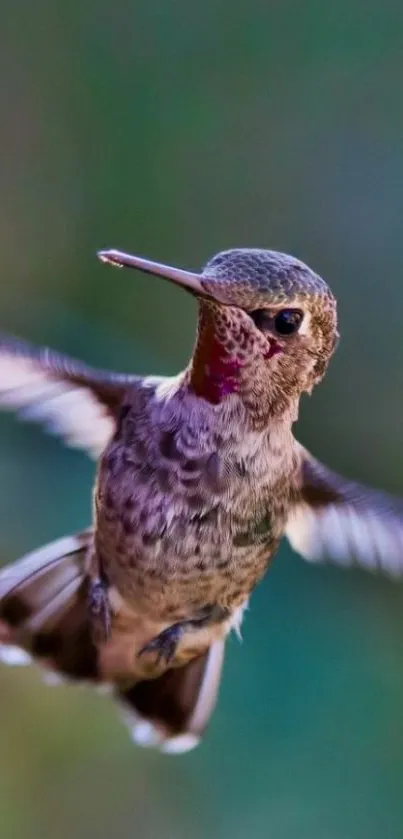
[173, 543]
[170, 583]
[171, 565]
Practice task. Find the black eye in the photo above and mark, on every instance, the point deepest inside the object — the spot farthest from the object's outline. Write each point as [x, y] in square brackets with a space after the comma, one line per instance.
[288, 321]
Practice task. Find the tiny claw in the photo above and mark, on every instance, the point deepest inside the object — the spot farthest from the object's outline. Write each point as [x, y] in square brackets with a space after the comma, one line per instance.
[165, 644]
[98, 603]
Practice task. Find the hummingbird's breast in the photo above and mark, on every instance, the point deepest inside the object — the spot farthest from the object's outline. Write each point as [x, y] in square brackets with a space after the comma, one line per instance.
[188, 511]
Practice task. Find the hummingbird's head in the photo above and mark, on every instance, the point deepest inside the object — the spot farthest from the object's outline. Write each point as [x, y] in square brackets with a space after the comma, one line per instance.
[267, 327]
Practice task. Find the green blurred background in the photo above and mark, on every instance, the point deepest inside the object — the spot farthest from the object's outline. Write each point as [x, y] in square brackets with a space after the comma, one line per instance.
[176, 129]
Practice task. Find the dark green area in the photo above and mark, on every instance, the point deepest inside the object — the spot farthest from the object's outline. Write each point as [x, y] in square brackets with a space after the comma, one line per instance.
[176, 129]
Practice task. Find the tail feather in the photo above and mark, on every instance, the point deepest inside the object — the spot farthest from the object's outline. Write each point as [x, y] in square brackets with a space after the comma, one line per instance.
[43, 609]
[172, 711]
[44, 616]
[33, 581]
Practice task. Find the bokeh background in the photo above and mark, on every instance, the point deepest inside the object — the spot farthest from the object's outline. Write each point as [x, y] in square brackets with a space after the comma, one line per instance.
[177, 129]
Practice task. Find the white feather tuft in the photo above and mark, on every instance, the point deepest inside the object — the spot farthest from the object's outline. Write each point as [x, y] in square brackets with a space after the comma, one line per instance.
[14, 656]
[180, 744]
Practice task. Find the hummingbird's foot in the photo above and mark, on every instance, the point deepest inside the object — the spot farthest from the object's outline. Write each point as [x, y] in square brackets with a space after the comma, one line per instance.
[98, 603]
[165, 644]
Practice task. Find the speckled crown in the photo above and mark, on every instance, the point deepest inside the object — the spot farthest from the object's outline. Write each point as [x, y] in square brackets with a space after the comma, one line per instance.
[262, 272]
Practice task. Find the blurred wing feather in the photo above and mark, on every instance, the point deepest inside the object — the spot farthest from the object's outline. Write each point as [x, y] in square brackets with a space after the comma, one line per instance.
[70, 399]
[334, 519]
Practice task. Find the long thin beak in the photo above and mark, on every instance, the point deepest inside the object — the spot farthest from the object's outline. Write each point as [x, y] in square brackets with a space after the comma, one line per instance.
[186, 279]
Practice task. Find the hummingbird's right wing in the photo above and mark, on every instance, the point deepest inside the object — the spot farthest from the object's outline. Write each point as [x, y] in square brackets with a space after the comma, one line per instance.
[72, 400]
[342, 521]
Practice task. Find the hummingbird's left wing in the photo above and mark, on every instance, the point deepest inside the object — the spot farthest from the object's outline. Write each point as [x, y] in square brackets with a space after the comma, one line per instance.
[72, 400]
[341, 521]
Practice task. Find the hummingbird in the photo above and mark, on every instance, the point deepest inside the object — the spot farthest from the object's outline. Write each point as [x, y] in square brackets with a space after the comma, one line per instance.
[199, 477]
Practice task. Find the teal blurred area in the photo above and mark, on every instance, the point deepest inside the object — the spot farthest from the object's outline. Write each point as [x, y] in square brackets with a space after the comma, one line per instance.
[176, 130]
